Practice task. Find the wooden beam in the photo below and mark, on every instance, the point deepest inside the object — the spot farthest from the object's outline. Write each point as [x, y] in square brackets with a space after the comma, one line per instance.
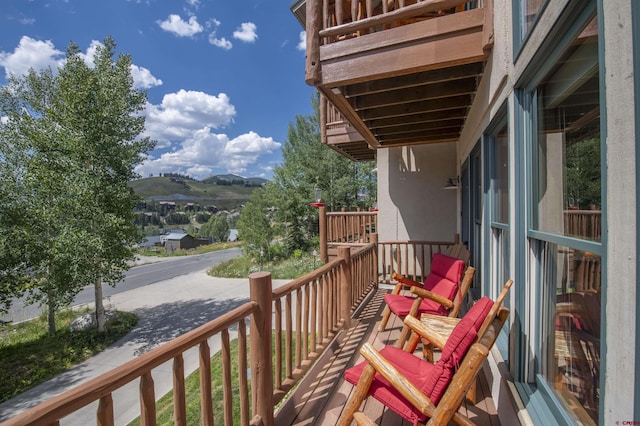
[417, 79]
[426, 117]
[411, 128]
[463, 101]
[425, 92]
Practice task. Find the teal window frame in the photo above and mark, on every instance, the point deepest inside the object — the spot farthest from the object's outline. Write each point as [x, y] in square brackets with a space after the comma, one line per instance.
[520, 37]
[539, 398]
[492, 286]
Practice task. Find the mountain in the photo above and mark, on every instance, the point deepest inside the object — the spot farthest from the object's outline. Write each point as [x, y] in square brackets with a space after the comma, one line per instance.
[224, 191]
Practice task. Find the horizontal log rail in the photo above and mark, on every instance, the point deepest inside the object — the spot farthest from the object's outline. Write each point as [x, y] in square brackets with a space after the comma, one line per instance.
[384, 17]
[316, 306]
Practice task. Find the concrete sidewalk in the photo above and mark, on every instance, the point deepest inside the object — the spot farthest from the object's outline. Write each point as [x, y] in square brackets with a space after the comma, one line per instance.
[165, 310]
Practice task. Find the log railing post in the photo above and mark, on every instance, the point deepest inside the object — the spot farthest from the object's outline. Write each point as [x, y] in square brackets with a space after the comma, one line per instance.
[374, 240]
[344, 253]
[322, 213]
[314, 25]
[260, 291]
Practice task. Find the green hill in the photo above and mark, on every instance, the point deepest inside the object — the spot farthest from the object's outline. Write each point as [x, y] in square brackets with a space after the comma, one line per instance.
[224, 191]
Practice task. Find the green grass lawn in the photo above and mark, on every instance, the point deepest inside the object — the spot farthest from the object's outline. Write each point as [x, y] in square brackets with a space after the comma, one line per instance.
[30, 356]
[242, 267]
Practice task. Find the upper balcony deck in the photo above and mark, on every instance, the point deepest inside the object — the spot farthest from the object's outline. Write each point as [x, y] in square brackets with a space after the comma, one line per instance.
[398, 72]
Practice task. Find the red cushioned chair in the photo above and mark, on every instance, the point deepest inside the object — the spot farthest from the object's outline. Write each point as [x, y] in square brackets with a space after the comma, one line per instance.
[442, 293]
[418, 390]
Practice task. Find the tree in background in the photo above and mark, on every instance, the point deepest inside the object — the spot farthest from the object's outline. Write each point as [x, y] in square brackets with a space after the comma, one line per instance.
[216, 227]
[254, 225]
[307, 165]
[71, 142]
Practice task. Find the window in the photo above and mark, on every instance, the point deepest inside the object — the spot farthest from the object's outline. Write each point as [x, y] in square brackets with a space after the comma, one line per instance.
[568, 150]
[565, 227]
[497, 147]
[526, 13]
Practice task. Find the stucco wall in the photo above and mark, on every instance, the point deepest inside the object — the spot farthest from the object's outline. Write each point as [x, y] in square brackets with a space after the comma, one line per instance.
[412, 203]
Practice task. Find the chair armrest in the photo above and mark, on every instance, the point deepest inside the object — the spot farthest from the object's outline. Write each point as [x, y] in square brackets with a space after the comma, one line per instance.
[362, 419]
[398, 381]
[426, 332]
[426, 294]
[405, 281]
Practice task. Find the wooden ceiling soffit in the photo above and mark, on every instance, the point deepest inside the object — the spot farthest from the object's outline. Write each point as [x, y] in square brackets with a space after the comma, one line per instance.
[420, 135]
[416, 94]
[419, 118]
[412, 128]
[414, 80]
[422, 107]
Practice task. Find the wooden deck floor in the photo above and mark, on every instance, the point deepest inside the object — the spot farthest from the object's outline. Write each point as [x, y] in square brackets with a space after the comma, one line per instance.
[321, 396]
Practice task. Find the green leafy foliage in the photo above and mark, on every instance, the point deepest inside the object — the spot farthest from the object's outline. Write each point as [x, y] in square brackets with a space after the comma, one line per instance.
[216, 227]
[68, 148]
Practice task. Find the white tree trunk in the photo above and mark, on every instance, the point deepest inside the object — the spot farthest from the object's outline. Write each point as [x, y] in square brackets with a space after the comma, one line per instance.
[100, 318]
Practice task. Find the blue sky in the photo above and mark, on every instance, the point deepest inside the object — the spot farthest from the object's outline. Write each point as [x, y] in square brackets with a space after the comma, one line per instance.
[224, 78]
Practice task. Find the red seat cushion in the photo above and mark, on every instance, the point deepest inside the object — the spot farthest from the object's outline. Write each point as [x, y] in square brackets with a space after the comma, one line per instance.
[444, 280]
[431, 379]
[414, 369]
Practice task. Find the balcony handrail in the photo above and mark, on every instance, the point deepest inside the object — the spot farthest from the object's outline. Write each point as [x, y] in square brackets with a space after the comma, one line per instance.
[402, 13]
[323, 305]
[101, 387]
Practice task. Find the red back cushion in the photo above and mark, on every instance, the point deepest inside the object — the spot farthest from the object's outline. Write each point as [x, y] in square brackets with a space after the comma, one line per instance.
[447, 267]
[443, 280]
[458, 343]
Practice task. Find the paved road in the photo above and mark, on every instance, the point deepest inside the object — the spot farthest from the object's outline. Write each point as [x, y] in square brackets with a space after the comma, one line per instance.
[166, 309]
[150, 270]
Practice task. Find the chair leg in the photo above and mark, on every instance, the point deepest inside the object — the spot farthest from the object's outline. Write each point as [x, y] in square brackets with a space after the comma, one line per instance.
[358, 395]
[385, 318]
[427, 351]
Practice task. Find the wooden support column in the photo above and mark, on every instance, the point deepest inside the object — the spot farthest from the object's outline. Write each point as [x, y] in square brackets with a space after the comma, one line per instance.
[322, 215]
[260, 291]
[344, 253]
[314, 25]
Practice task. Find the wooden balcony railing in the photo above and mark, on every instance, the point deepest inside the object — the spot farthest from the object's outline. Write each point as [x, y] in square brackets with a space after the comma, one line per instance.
[320, 303]
[408, 258]
[585, 224]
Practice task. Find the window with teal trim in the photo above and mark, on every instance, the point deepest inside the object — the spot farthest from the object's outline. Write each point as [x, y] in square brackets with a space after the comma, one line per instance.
[526, 14]
[566, 225]
[498, 148]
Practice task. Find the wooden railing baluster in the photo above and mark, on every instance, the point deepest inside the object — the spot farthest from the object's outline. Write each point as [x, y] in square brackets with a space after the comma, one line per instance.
[104, 415]
[179, 408]
[206, 410]
[242, 373]
[227, 396]
[147, 401]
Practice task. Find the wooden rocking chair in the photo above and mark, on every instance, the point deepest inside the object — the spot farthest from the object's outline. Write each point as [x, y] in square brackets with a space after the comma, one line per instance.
[418, 390]
[443, 290]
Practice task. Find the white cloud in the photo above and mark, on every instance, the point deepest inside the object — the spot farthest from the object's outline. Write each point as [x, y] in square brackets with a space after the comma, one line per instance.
[204, 151]
[246, 32]
[37, 54]
[302, 44]
[175, 24]
[143, 79]
[182, 113]
[223, 43]
[31, 53]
